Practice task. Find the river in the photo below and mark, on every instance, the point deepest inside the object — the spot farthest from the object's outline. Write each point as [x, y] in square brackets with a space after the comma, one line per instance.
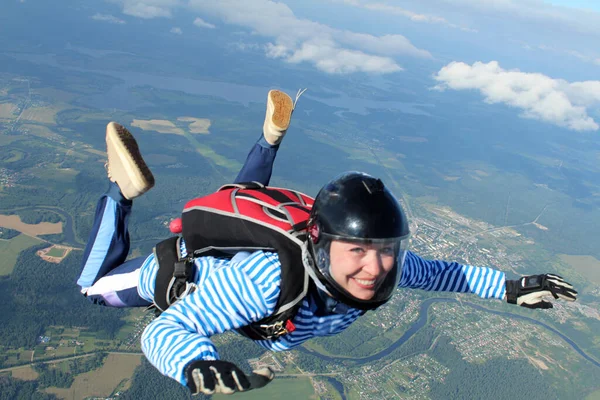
[422, 320]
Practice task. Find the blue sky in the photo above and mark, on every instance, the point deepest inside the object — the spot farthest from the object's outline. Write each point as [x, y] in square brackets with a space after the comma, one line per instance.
[542, 58]
[583, 4]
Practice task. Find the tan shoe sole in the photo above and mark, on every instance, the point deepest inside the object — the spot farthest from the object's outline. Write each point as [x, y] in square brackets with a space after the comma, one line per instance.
[282, 109]
[126, 166]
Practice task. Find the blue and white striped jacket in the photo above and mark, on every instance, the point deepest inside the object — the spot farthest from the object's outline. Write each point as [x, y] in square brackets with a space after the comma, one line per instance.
[234, 293]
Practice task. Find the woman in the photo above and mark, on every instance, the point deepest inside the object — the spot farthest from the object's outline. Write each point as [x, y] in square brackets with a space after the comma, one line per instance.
[356, 258]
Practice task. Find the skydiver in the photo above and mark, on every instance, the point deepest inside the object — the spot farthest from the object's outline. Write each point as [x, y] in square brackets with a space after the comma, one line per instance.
[358, 250]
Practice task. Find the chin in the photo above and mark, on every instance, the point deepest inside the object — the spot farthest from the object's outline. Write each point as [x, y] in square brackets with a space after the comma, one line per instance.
[364, 296]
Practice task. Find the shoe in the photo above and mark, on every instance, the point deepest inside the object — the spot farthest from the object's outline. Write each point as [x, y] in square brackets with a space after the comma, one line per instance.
[279, 113]
[125, 165]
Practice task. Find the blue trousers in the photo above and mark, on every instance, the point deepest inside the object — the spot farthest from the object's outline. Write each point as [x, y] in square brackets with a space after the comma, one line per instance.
[106, 278]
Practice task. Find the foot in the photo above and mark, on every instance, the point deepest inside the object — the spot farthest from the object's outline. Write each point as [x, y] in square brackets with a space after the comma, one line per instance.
[126, 167]
[279, 113]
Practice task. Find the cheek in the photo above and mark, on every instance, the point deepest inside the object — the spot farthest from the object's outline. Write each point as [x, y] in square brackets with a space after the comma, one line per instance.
[342, 267]
[387, 263]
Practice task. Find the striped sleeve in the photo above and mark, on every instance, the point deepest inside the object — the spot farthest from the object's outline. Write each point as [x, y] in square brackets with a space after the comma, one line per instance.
[232, 295]
[443, 276]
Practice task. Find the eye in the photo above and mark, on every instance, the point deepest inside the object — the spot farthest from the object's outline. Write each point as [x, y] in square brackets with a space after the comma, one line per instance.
[357, 250]
[387, 251]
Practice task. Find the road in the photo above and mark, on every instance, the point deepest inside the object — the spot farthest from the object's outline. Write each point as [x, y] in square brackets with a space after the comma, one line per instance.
[57, 360]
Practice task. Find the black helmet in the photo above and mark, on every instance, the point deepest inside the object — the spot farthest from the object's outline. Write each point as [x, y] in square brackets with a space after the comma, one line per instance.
[357, 208]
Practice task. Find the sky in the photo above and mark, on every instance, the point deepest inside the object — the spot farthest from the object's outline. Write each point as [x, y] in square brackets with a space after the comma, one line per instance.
[583, 4]
[539, 57]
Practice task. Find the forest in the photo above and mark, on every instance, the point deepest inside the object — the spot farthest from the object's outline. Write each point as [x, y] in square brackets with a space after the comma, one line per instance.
[15, 389]
[39, 294]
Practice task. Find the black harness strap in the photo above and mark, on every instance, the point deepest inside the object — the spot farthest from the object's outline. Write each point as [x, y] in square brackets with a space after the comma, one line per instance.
[173, 273]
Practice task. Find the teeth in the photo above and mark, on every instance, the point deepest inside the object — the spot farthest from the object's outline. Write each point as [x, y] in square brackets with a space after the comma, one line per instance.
[365, 282]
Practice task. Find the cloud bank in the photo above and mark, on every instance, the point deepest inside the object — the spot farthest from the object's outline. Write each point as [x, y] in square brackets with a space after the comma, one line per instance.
[396, 10]
[111, 19]
[292, 39]
[148, 9]
[296, 40]
[538, 96]
[554, 17]
[199, 22]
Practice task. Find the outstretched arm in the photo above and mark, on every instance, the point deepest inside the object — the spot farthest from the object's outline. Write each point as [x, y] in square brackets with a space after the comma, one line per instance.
[444, 276]
[177, 343]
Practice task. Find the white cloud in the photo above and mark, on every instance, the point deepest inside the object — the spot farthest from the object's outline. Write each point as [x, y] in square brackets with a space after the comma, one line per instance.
[586, 57]
[199, 22]
[539, 97]
[554, 17]
[107, 18]
[330, 58]
[413, 16]
[243, 46]
[148, 9]
[296, 40]
[176, 30]
[386, 45]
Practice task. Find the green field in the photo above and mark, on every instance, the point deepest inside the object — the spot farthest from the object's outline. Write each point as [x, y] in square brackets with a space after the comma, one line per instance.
[10, 250]
[56, 252]
[299, 388]
[51, 173]
[587, 266]
[206, 151]
[593, 396]
[14, 155]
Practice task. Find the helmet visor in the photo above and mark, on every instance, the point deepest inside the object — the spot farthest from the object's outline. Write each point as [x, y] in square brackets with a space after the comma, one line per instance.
[365, 271]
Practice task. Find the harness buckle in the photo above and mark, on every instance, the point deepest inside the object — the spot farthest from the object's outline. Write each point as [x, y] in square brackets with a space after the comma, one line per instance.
[278, 329]
[275, 330]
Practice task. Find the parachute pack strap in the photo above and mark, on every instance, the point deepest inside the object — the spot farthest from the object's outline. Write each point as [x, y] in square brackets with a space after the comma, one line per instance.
[283, 201]
[182, 275]
[299, 196]
[300, 226]
[173, 275]
[166, 254]
[281, 322]
[268, 195]
[242, 185]
[279, 195]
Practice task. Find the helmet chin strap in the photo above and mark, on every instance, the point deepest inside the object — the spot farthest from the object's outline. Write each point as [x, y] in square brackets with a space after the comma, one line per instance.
[307, 261]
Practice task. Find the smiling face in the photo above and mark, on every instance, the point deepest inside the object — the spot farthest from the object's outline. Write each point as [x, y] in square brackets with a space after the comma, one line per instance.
[360, 268]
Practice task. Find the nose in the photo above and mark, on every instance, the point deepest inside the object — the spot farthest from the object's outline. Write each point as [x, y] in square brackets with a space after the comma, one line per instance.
[372, 263]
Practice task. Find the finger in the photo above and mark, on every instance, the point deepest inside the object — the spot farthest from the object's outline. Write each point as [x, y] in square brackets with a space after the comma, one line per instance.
[205, 386]
[554, 276]
[568, 296]
[224, 382]
[260, 377]
[540, 304]
[564, 293]
[560, 283]
[241, 380]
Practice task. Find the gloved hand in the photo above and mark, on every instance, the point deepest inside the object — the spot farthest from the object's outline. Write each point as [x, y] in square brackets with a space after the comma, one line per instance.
[529, 290]
[209, 377]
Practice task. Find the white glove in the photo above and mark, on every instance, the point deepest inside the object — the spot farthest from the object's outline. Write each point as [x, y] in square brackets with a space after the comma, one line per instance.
[209, 377]
[529, 291]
